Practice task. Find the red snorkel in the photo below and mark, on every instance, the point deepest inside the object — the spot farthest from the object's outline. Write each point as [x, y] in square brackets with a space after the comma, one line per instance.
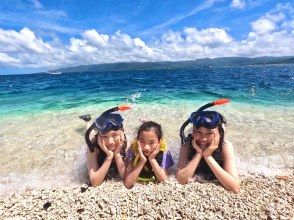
[118, 108]
[208, 105]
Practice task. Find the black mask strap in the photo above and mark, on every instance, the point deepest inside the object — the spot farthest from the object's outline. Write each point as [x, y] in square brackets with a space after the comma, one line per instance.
[182, 132]
[87, 138]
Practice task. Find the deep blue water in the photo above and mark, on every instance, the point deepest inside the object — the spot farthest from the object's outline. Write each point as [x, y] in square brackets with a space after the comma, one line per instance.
[264, 85]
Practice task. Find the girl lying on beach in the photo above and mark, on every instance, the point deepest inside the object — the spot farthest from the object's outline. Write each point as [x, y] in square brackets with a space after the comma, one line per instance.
[148, 159]
[205, 152]
[107, 147]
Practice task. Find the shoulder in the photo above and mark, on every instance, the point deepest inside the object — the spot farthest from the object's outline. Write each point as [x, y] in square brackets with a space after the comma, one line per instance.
[227, 145]
[167, 160]
[167, 154]
[185, 150]
[92, 159]
[228, 149]
[188, 141]
[93, 154]
[130, 154]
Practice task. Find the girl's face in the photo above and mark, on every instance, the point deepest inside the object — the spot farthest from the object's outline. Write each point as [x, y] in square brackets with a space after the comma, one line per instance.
[204, 136]
[149, 142]
[111, 139]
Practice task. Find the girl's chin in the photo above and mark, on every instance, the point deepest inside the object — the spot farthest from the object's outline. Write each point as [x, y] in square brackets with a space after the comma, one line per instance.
[111, 148]
[202, 146]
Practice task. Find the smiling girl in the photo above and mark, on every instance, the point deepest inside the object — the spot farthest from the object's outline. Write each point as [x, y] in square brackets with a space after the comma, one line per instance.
[148, 159]
[106, 148]
[205, 152]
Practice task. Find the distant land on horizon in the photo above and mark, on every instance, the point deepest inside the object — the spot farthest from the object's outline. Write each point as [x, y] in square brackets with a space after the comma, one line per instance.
[199, 63]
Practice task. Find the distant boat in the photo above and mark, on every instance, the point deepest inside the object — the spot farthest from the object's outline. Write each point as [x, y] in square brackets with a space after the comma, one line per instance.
[54, 73]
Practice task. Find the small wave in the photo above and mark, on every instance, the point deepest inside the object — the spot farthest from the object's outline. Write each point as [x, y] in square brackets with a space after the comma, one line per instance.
[268, 166]
[16, 183]
[133, 99]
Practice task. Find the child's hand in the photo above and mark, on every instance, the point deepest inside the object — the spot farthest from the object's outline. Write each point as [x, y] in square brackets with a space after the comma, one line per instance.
[154, 153]
[196, 147]
[101, 143]
[142, 156]
[213, 146]
[120, 143]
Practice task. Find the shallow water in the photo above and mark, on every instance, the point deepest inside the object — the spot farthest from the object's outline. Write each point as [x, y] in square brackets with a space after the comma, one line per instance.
[41, 136]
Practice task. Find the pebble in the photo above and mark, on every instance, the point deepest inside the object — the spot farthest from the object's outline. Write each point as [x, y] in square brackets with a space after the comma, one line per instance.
[259, 198]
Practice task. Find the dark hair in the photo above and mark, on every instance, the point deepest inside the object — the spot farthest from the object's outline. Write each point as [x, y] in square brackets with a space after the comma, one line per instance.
[150, 126]
[220, 129]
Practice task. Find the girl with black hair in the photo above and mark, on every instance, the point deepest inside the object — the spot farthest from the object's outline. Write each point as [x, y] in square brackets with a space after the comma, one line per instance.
[206, 152]
[148, 158]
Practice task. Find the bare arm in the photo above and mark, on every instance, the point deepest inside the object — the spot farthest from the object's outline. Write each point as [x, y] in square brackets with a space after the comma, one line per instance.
[228, 176]
[187, 169]
[133, 172]
[120, 164]
[96, 173]
[160, 173]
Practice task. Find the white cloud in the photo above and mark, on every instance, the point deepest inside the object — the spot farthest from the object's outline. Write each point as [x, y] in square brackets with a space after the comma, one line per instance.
[275, 17]
[263, 26]
[4, 58]
[23, 41]
[271, 35]
[239, 4]
[92, 36]
[267, 23]
[211, 37]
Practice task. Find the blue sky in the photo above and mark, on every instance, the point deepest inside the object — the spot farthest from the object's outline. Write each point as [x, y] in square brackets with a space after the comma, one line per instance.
[40, 35]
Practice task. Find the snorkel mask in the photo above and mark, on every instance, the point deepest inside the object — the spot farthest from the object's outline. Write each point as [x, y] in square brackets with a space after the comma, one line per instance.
[200, 118]
[106, 122]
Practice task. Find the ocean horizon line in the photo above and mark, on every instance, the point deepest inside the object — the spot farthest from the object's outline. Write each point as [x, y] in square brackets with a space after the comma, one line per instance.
[172, 64]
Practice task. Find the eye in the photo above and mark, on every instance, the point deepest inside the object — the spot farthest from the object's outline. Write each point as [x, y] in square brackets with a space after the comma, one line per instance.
[210, 134]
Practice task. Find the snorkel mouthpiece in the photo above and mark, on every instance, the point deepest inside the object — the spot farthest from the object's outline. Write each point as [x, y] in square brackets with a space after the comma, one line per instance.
[106, 122]
[199, 111]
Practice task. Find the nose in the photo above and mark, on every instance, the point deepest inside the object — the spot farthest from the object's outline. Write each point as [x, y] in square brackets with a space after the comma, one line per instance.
[203, 138]
[110, 140]
[147, 147]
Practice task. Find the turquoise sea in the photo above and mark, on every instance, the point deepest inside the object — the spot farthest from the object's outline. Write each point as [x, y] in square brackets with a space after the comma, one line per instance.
[41, 136]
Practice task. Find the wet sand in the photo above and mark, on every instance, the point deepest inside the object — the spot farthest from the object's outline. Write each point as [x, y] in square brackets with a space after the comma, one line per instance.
[260, 198]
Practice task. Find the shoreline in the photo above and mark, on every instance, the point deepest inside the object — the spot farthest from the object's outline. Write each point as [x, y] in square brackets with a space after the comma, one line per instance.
[260, 197]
